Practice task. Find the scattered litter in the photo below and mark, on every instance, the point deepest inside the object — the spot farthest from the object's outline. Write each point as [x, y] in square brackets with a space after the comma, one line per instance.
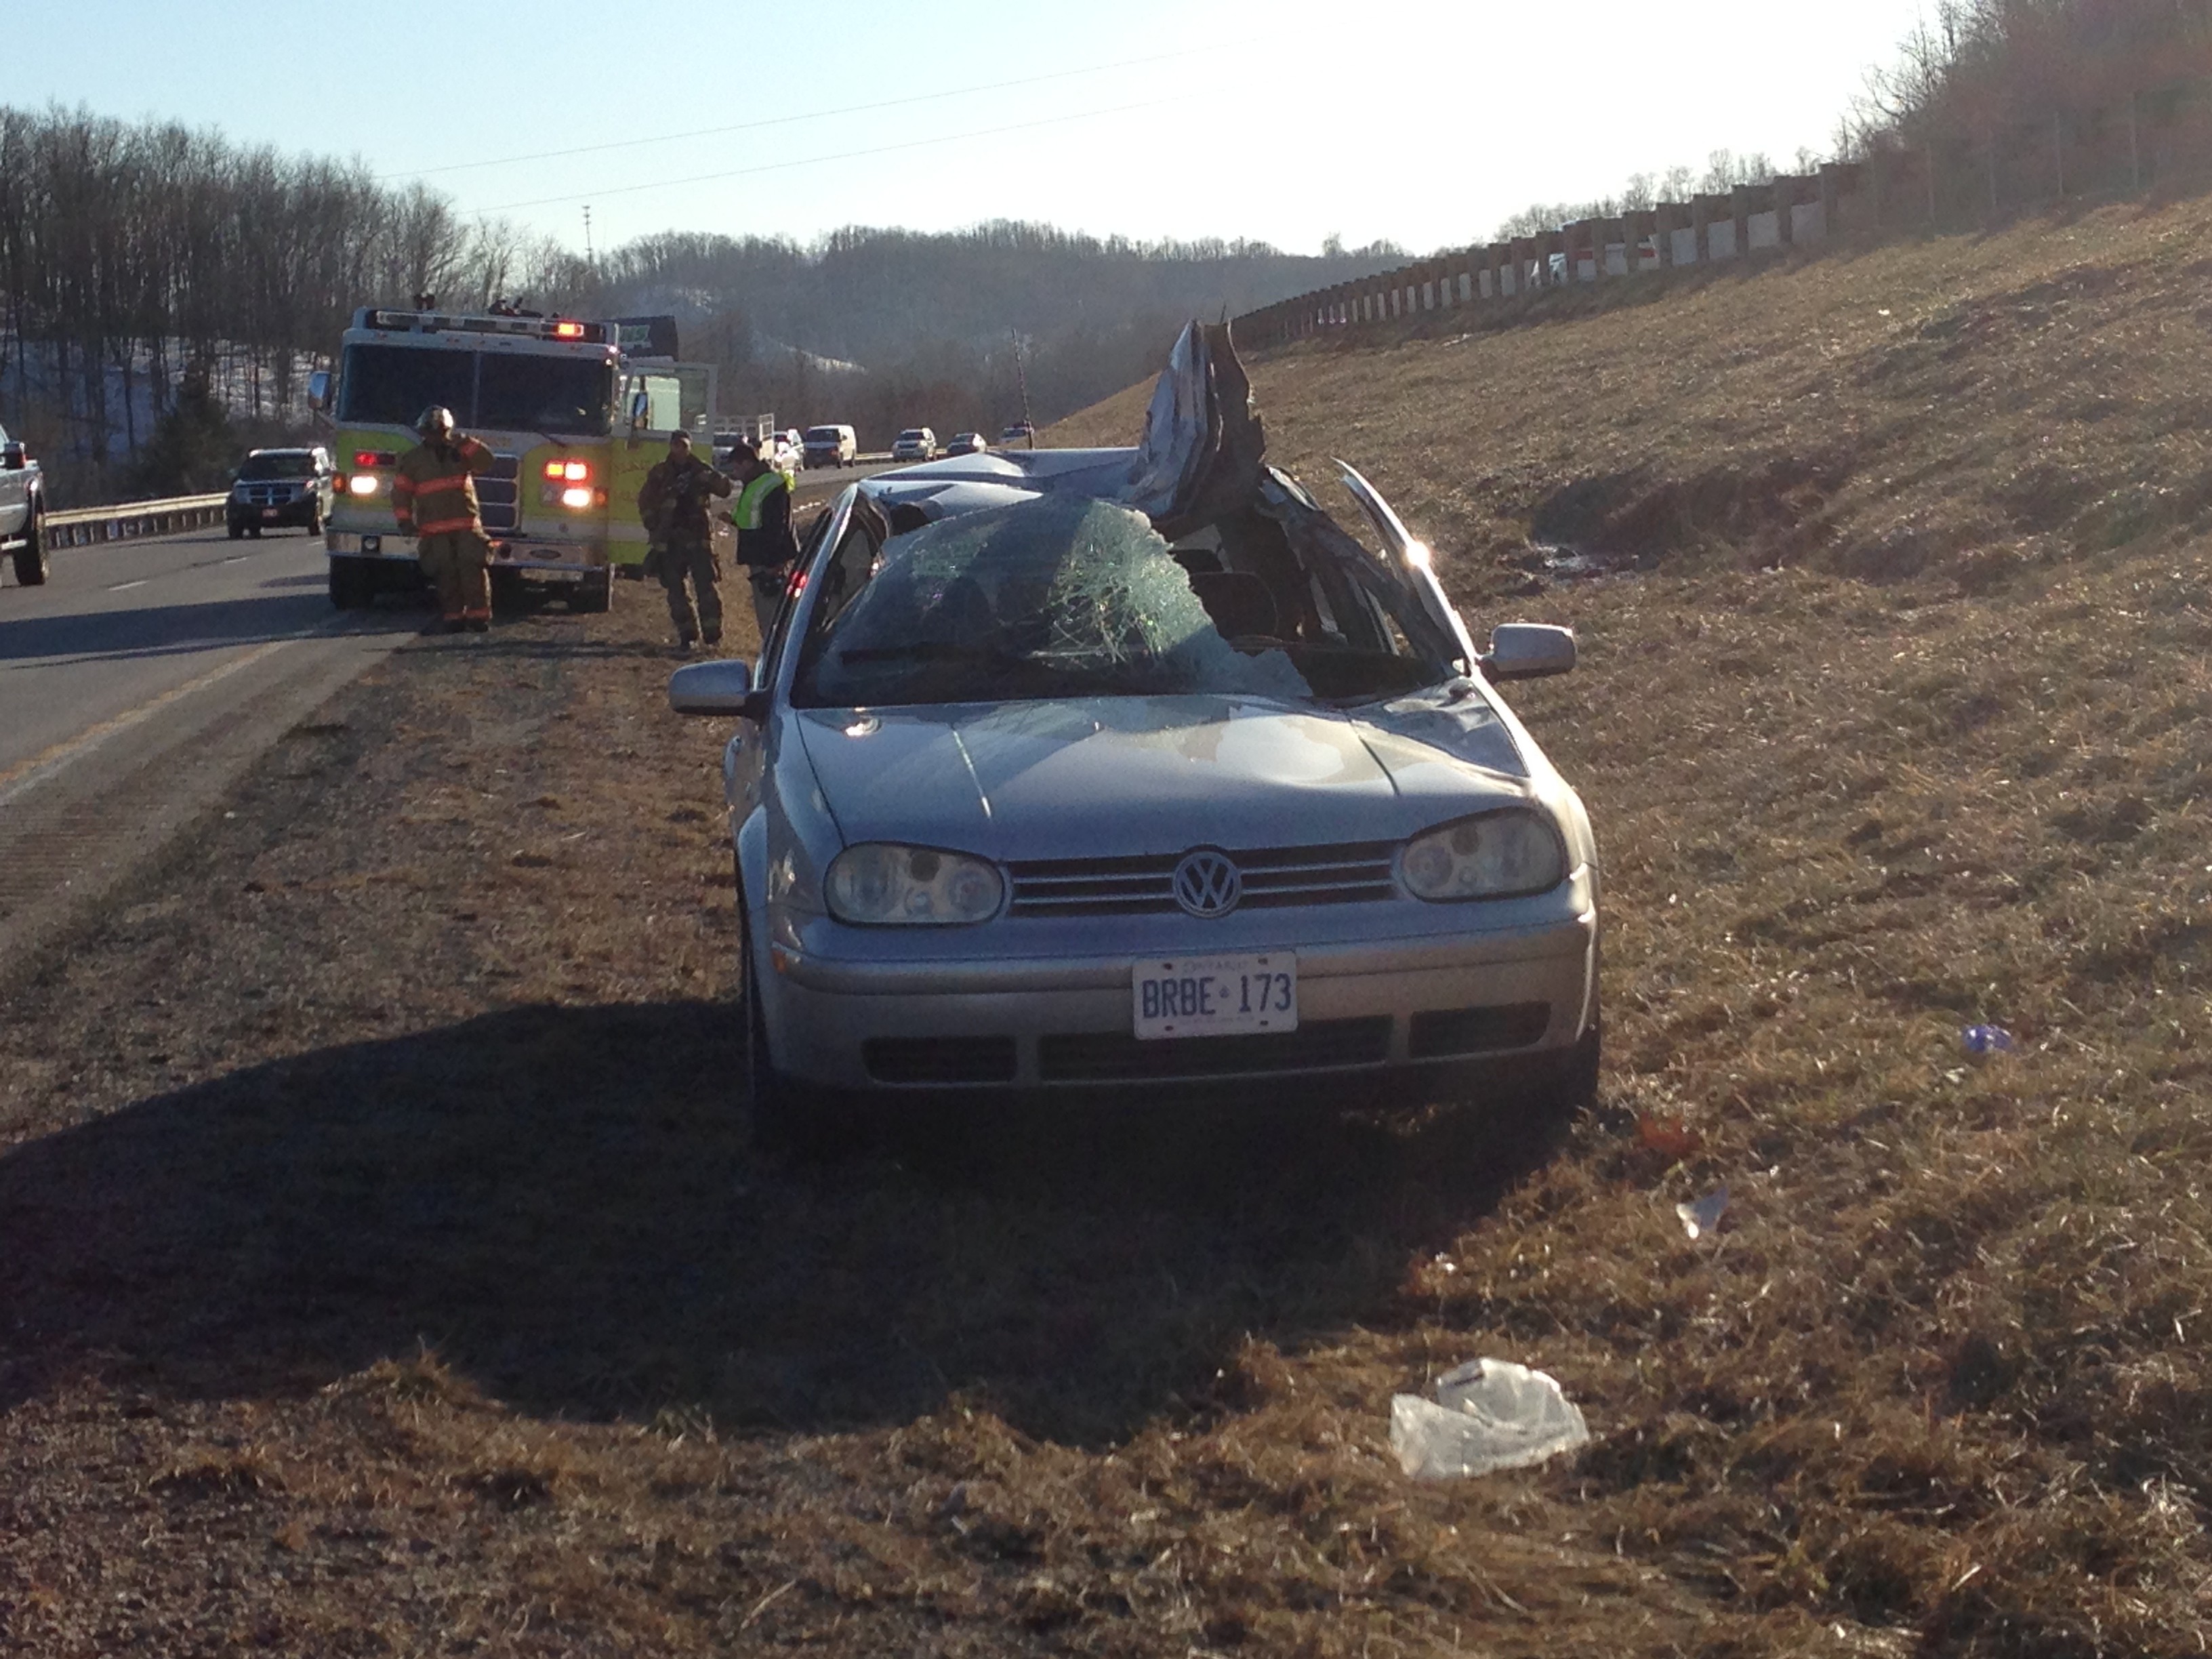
[1488, 1414]
[1668, 1136]
[1703, 1216]
[1986, 1039]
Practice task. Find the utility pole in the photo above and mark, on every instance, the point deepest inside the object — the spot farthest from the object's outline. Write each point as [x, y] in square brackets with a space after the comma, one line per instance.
[590, 258]
[1022, 374]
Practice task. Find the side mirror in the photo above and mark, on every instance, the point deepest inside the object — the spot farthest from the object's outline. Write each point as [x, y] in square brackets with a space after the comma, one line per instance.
[14, 457]
[1530, 651]
[318, 389]
[717, 688]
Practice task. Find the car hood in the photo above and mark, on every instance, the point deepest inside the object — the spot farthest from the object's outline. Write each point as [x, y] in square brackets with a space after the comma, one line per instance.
[1116, 776]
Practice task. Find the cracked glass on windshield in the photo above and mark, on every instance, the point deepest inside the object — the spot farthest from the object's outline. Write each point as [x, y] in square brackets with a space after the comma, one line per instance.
[1054, 598]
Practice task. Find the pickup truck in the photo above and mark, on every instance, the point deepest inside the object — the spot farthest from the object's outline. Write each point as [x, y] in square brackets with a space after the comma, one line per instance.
[23, 512]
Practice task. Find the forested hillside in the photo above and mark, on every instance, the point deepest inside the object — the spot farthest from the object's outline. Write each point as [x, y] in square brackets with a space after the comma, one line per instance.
[139, 261]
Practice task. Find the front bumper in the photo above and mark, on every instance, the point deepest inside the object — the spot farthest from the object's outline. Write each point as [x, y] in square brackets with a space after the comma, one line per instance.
[1379, 1010]
[556, 561]
[272, 514]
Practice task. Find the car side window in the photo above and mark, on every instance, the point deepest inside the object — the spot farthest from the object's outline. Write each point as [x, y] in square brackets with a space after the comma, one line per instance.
[846, 574]
[780, 630]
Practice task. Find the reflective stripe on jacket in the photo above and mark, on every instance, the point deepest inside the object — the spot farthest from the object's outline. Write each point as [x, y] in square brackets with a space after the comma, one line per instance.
[435, 492]
[746, 514]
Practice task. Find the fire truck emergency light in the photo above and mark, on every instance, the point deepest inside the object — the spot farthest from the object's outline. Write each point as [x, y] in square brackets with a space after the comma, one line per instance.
[567, 330]
[569, 471]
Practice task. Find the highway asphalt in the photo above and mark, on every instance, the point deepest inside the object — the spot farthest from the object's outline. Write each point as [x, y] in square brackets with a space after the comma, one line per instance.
[136, 684]
[144, 677]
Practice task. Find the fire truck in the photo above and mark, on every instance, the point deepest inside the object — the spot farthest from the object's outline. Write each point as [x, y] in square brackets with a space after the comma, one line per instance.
[575, 413]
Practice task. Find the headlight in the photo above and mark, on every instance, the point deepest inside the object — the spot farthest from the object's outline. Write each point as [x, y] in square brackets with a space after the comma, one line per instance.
[1496, 855]
[878, 885]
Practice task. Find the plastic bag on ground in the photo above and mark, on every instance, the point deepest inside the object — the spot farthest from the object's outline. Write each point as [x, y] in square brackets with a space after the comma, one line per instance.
[1489, 1414]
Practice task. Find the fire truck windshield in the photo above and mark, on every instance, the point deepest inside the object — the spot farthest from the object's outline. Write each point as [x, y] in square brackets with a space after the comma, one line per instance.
[390, 386]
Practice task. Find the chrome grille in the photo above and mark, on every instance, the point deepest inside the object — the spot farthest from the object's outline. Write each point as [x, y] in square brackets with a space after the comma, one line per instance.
[498, 492]
[1356, 872]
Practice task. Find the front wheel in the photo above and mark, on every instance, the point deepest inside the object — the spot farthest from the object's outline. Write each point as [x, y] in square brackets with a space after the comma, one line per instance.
[781, 1113]
[352, 584]
[31, 566]
[594, 594]
[237, 530]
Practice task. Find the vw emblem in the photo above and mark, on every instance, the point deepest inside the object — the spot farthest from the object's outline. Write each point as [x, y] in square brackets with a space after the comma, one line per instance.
[1206, 885]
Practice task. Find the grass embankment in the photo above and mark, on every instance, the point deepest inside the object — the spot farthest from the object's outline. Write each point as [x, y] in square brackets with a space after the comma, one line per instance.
[430, 1048]
[1905, 728]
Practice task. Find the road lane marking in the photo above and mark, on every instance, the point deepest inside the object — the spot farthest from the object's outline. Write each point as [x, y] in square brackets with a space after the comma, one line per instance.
[124, 587]
[26, 776]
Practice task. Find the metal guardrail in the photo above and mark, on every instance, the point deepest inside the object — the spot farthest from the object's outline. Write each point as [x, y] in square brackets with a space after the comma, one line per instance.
[78, 527]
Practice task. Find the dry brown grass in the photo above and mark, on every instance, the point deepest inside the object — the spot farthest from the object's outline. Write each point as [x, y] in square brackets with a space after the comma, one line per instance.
[373, 1279]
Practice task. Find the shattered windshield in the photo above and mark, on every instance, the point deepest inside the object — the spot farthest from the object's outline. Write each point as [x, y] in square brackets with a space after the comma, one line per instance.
[1057, 597]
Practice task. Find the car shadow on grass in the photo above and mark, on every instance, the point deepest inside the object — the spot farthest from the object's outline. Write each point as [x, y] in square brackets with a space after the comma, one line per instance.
[557, 1202]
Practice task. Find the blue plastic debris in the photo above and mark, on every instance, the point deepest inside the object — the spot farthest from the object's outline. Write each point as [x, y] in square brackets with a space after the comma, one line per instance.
[1986, 1039]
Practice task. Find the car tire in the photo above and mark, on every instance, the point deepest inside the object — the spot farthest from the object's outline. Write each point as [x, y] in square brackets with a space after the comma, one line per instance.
[315, 521]
[254, 530]
[30, 558]
[237, 530]
[1572, 1089]
[781, 1113]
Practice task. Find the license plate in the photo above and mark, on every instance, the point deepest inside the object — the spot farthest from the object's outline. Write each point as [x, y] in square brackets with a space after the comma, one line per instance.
[268, 512]
[532, 573]
[1215, 996]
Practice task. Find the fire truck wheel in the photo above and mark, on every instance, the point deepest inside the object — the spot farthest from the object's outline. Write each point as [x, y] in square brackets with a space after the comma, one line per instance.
[595, 593]
[352, 584]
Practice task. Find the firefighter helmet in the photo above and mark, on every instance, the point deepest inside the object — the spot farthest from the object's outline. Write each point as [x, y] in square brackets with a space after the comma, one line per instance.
[436, 422]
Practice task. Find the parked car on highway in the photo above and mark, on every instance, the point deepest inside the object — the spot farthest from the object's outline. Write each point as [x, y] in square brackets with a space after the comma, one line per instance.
[23, 512]
[830, 446]
[278, 487]
[916, 443]
[967, 443]
[1077, 771]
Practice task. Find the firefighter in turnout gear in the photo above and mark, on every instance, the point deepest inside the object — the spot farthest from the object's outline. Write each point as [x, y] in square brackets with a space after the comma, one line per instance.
[435, 497]
[766, 546]
[673, 504]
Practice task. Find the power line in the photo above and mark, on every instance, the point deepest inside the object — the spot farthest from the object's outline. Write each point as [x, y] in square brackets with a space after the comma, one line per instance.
[818, 160]
[793, 120]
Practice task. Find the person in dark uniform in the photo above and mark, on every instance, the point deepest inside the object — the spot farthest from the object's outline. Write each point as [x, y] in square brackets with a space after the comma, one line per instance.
[673, 504]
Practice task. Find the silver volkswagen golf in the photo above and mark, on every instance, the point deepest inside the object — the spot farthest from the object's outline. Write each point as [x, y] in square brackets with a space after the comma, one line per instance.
[1073, 772]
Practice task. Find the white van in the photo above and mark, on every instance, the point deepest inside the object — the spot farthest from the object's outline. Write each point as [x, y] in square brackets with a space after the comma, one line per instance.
[831, 446]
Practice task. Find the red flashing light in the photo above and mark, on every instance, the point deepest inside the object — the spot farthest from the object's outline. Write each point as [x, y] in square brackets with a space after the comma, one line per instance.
[567, 330]
[364, 458]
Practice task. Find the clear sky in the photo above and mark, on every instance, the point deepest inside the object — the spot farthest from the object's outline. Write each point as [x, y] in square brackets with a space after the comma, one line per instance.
[1281, 120]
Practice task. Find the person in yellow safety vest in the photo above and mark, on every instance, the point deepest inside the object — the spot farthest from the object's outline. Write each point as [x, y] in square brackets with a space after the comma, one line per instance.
[434, 496]
[766, 546]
